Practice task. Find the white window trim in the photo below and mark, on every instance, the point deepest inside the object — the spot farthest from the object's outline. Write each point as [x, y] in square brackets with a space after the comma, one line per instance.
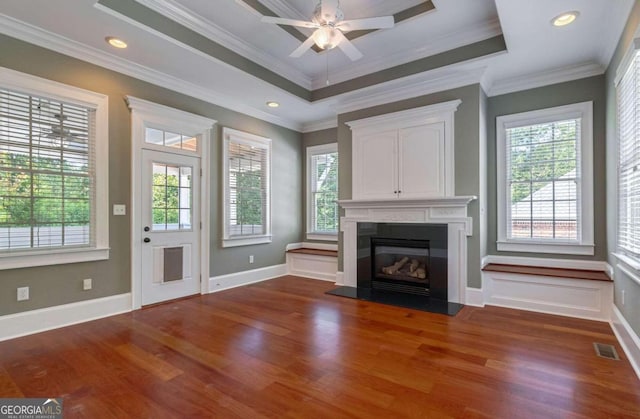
[311, 152]
[228, 135]
[100, 103]
[586, 245]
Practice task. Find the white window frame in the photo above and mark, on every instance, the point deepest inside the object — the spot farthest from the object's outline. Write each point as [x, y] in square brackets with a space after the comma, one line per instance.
[628, 63]
[584, 245]
[32, 85]
[311, 153]
[231, 135]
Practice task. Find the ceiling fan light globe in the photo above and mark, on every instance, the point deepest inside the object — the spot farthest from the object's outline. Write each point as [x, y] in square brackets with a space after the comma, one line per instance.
[326, 37]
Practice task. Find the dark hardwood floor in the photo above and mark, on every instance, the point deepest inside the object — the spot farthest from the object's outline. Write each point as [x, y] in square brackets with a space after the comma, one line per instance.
[284, 349]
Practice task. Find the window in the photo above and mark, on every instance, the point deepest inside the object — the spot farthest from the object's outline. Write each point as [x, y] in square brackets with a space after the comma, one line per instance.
[247, 172]
[322, 192]
[628, 94]
[53, 186]
[545, 180]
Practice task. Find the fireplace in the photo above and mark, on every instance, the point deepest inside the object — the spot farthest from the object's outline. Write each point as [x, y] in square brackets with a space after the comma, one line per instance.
[403, 258]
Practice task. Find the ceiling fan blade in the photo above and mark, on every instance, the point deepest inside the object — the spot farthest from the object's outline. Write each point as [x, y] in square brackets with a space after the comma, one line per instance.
[303, 47]
[292, 22]
[369, 23]
[347, 47]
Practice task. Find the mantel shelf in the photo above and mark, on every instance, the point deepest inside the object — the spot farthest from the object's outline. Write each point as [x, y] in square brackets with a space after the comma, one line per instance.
[451, 201]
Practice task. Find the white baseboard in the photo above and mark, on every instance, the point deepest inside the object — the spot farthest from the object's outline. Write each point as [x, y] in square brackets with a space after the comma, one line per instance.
[563, 296]
[628, 339]
[40, 320]
[313, 266]
[238, 279]
[340, 278]
[474, 297]
[593, 265]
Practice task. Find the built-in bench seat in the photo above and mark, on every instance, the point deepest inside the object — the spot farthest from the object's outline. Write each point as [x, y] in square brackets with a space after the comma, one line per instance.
[584, 293]
[552, 272]
[313, 261]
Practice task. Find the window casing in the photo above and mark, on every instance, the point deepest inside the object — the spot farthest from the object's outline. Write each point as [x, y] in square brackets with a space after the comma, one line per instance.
[53, 173]
[545, 180]
[247, 197]
[322, 192]
[628, 101]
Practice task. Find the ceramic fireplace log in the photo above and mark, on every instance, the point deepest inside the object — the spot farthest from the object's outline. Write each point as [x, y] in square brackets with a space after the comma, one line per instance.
[390, 270]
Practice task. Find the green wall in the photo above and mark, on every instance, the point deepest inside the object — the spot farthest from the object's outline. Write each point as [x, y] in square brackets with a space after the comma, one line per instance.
[467, 150]
[60, 284]
[631, 309]
[588, 89]
[309, 139]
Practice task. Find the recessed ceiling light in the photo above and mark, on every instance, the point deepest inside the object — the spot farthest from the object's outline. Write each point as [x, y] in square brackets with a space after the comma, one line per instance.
[272, 104]
[115, 42]
[565, 18]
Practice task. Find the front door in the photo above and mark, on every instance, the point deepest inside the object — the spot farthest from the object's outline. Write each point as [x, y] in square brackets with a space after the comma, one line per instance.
[170, 219]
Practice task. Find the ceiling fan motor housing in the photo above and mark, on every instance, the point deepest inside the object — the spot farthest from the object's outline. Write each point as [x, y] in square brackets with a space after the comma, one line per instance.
[327, 19]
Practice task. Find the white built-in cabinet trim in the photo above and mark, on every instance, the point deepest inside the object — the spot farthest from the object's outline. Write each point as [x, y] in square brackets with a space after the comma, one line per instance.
[407, 154]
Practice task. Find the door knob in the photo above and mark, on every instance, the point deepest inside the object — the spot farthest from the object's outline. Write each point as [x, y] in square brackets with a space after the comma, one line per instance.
[146, 228]
[146, 240]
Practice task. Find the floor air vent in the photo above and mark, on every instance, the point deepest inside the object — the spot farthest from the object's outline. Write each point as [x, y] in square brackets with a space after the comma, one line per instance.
[606, 351]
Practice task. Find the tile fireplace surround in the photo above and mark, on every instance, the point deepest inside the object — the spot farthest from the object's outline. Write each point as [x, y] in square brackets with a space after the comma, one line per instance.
[451, 211]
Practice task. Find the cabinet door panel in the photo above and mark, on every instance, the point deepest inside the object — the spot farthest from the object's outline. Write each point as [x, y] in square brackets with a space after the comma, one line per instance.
[421, 161]
[375, 166]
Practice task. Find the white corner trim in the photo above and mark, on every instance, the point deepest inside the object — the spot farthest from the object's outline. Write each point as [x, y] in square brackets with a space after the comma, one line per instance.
[40, 320]
[627, 338]
[539, 79]
[293, 246]
[474, 297]
[238, 279]
[320, 125]
[591, 265]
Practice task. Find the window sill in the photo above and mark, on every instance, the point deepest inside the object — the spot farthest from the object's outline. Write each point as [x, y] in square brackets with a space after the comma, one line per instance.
[542, 247]
[631, 262]
[245, 241]
[330, 237]
[15, 260]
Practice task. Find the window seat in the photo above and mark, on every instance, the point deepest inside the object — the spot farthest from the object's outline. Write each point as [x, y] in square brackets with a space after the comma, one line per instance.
[552, 272]
[310, 261]
[582, 293]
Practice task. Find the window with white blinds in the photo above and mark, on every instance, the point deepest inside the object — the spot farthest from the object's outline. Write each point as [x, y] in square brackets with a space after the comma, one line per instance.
[628, 92]
[545, 196]
[53, 187]
[247, 161]
[322, 192]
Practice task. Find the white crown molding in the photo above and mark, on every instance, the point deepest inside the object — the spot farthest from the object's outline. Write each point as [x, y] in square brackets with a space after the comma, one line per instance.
[445, 78]
[34, 35]
[187, 18]
[477, 33]
[320, 125]
[539, 79]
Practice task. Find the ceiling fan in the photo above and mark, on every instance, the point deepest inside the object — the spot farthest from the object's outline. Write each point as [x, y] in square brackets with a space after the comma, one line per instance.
[330, 26]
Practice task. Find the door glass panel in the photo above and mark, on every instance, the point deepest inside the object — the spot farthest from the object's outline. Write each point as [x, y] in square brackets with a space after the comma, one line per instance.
[154, 136]
[172, 197]
[174, 140]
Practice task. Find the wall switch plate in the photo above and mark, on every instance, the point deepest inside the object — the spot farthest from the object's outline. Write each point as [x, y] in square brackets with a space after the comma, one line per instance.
[86, 284]
[250, 258]
[119, 209]
[23, 293]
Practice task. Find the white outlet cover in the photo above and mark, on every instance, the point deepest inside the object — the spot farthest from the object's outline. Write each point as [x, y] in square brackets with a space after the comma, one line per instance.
[86, 284]
[23, 293]
[119, 209]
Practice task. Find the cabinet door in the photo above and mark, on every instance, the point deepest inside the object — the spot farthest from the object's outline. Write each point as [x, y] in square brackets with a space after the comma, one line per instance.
[375, 165]
[421, 161]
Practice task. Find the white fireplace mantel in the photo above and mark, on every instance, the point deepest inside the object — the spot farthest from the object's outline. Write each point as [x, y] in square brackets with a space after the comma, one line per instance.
[439, 210]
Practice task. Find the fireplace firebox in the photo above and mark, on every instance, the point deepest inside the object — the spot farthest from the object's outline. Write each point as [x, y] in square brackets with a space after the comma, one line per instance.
[403, 258]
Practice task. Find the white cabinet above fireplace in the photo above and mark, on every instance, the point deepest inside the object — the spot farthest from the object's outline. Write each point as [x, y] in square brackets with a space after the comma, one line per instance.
[405, 155]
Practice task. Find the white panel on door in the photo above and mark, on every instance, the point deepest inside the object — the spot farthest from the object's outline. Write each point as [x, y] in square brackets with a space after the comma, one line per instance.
[375, 159]
[421, 161]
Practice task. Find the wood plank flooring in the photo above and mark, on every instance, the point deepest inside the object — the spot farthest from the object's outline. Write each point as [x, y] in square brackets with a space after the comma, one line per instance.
[284, 349]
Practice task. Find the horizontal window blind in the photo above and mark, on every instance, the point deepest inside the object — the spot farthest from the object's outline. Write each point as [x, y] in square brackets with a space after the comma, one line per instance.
[543, 181]
[47, 173]
[628, 92]
[324, 193]
[248, 167]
